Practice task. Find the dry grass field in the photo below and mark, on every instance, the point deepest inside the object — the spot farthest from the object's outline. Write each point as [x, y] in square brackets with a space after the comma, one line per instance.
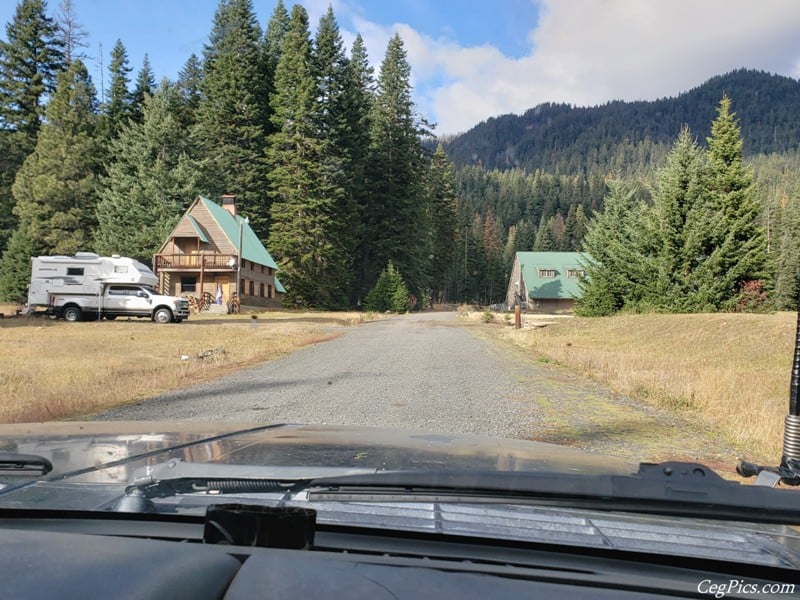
[53, 369]
[731, 371]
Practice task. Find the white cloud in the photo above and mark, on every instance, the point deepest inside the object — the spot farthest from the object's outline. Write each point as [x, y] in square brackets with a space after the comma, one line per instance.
[588, 53]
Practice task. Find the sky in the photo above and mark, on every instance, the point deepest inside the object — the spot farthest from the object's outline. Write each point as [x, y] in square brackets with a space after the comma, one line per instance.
[472, 60]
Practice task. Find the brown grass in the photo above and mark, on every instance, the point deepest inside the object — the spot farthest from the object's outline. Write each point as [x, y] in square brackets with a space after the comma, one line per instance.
[54, 370]
[731, 371]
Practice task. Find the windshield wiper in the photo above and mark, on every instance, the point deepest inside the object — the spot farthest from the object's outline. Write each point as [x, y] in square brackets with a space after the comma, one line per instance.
[12, 462]
[669, 488]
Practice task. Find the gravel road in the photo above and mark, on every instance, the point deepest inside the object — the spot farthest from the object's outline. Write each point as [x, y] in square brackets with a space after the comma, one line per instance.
[430, 372]
[419, 371]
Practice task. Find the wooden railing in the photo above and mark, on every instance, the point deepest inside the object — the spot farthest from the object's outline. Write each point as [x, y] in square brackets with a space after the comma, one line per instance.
[195, 261]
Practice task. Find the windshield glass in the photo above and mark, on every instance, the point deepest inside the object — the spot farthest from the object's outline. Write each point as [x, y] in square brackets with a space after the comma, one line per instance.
[434, 238]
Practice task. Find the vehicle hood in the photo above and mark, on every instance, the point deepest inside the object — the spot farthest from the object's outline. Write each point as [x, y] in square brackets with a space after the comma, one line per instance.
[109, 451]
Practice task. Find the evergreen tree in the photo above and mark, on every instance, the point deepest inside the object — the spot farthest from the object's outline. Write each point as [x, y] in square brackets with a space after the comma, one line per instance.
[230, 127]
[190, 79]
[15, 265]
[389, 293]
[441, 204]
[359, 97]
[305, 233]
[277, 27]
[396, 209]
[145, 82]
[118, 108]
[619, 266]
[56, 187]
[733, 249]
[30, 58]
[679, 199]
[151, 179]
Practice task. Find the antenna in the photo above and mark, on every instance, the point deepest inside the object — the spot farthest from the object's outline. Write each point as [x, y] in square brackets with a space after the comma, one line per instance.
[789, 470]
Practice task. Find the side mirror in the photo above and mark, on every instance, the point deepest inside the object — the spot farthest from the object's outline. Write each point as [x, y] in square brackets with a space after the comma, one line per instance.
[142, 294]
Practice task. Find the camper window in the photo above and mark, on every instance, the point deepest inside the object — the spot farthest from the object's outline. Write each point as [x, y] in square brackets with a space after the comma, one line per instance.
[120, 268]
[74, 270]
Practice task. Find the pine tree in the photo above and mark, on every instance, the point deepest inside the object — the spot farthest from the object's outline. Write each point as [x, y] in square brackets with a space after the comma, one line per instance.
[15, 265]
[145, 82]
[151, 179]
[389, 293]
[56, 187]
[272, 44]
[733, 250]
[30, 59]
[396, 208]
[231, 116]
[305, 233]
[118, 108]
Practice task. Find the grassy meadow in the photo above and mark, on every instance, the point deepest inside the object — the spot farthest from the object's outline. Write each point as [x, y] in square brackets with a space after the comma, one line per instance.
[731, 371]
[53, 369]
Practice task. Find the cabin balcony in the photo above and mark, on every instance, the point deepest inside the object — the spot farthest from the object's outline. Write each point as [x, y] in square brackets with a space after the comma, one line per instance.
[199, 261]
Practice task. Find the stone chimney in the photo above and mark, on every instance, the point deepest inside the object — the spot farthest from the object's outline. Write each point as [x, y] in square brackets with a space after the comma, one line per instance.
[229, 203]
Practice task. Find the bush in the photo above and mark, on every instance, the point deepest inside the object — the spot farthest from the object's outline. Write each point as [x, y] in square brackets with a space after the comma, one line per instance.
[389, 293]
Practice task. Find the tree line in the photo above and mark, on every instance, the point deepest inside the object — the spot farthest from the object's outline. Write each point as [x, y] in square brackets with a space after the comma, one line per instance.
[333, 165]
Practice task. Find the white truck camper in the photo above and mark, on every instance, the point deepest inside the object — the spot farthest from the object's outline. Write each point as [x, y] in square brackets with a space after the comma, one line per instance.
[88, 286]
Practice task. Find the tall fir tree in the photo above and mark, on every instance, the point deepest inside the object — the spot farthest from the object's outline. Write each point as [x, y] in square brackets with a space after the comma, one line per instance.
[272, 43]
[56, 188]
[305, 231]
[118, 105]
[733, 249]
[396, 212]
[145, 82]
[230, 127]
[190, 79]
[31, 57]
[679, 199]
[151, 180]
[359, 98]
[620, 265]
[442, 206]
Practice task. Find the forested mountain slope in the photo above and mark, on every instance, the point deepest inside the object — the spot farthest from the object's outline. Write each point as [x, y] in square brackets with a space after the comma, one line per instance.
[625, 136]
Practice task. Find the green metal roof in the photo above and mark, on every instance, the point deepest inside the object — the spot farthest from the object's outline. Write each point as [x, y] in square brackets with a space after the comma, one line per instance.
[551, 288]
[199, 230]
[279, 286]
[252, 248]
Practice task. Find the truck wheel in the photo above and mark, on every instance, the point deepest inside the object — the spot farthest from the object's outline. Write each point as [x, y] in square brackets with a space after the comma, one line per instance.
[162, 315]
[110, 317]
[72, 313]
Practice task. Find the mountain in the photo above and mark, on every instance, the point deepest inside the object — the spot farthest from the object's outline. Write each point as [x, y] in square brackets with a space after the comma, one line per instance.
[560, 138]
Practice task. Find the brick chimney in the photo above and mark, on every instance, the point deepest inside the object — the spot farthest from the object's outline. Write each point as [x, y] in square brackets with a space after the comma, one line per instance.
[229, 203]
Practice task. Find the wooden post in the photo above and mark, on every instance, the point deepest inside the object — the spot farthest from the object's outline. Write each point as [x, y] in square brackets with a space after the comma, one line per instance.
[202, 272]
[517, 316]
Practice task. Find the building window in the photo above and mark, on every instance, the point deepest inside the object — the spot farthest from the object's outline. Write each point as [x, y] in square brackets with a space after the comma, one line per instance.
[252, 288]
[547, 273]
[261, 290]
[74, 270]
[188, 284]
[269, 292]
[576, 273]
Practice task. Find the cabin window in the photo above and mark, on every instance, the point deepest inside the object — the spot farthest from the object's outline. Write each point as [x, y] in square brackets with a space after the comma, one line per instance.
[262, 290]
[120, 268]
[576, 273]
[269, 292]
[252, 288]
[74, 270]
[188, 284]
[547, 273]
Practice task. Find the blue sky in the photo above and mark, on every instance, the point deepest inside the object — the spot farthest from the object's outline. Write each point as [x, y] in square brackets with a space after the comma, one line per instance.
[475, 59]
